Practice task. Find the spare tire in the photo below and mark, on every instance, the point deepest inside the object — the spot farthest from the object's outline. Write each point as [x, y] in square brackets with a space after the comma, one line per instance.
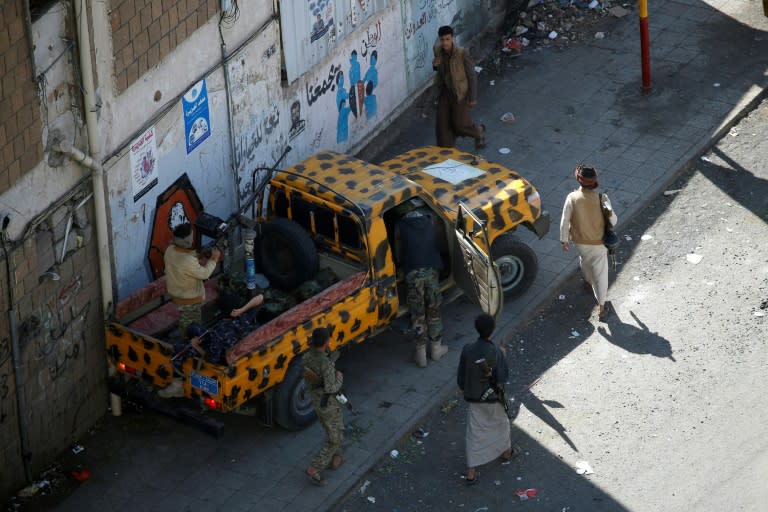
[286, 254]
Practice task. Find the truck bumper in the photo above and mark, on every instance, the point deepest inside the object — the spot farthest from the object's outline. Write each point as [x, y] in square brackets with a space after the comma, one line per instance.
[541, 225]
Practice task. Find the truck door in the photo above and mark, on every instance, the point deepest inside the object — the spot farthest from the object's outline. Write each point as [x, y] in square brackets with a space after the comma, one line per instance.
[473, 269]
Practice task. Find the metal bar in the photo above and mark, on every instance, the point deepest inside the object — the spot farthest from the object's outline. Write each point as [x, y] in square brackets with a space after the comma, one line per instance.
[645, 49]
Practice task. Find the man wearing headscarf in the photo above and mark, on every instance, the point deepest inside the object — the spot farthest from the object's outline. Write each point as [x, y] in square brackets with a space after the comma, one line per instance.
[583, 223]
[185, 275]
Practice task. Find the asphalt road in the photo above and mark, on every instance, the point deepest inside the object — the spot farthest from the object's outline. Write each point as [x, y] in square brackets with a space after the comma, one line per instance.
[665, 400]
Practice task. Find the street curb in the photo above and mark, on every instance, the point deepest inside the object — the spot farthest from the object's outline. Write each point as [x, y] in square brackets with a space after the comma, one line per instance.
[530, 311]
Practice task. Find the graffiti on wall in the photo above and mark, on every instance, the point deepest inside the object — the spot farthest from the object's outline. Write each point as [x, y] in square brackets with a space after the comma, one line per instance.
[297, 123]
[322, 19]
[361, 96]
[59, 330]
[263, 127]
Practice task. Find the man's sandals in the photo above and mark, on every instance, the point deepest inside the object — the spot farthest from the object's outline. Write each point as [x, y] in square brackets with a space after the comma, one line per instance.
[337, 461]
[314, 476]
[480, 141]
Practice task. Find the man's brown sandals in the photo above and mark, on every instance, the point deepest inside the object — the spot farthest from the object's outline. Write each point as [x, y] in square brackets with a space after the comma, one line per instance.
[314, 476]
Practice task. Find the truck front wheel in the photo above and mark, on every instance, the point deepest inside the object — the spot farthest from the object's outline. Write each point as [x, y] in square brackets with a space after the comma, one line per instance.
[517, 263]
[293, 406]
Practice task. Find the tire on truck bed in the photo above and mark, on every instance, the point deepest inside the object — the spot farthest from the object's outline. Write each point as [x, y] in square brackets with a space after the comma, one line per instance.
[286, 254]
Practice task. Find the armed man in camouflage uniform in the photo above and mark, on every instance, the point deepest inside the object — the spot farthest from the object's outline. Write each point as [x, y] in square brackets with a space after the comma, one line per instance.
[324, 382]
[419, 258]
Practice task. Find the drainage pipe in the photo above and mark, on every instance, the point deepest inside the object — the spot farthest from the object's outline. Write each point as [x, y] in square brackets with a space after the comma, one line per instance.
[21, 404]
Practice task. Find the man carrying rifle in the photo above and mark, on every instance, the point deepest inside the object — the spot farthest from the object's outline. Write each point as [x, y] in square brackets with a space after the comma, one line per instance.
[324, 382]
[481, 376]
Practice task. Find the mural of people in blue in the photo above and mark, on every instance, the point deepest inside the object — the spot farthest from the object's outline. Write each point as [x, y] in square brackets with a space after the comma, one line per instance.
[354, 68]
[342, 103]
[371, 81]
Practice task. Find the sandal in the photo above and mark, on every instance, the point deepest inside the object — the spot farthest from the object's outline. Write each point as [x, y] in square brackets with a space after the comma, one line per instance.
[470, 481]
[337, 461]
[507, 458]
[315, 476]
[601, 316]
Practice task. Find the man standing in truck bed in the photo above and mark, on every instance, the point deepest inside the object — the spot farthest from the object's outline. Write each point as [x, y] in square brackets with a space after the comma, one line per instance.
[185, 275]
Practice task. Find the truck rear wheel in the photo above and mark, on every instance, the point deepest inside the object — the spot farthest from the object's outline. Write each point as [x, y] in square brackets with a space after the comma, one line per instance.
[286, 254]
[517, 263]
[293, 406]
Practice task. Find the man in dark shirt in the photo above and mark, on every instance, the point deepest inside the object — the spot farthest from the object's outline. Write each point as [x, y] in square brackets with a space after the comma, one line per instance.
[419, 258]
[488, 432]
[456, 83]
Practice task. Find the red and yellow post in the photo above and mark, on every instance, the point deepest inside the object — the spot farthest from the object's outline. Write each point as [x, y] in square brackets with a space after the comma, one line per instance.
[645, 45]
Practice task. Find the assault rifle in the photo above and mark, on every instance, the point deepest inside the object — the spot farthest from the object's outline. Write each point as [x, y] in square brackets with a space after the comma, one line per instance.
[494, 387]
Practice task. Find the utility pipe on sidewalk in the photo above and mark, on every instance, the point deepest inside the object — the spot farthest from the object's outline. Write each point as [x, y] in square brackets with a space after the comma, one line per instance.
[645, 45]
[92, 162]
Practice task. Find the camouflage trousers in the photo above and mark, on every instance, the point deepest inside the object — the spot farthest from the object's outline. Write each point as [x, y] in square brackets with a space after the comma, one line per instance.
[189, 313]
[424, 304]
[332, 420]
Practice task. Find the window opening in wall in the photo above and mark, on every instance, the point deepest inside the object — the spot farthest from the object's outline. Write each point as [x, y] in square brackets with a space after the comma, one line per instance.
[38, 8]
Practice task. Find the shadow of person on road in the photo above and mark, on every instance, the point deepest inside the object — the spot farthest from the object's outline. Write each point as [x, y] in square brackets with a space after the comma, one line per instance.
[538, 408]
[633, 339]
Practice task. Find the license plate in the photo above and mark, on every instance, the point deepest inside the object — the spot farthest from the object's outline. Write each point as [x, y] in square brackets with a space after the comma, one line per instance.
[207, 384]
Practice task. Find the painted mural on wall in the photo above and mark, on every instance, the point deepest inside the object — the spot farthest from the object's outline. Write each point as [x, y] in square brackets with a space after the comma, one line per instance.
[422, 18]
[312, 29]
[197, 119]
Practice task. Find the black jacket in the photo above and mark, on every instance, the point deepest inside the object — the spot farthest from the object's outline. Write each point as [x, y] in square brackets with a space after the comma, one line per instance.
[470, 377]
[418, 244]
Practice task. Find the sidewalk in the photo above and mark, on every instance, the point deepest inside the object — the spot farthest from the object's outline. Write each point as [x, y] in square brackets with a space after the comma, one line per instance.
[582, 104]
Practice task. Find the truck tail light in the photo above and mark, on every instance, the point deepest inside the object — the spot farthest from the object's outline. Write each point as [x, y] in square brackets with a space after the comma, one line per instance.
[126, 369]
[212, 404]
[534, 199]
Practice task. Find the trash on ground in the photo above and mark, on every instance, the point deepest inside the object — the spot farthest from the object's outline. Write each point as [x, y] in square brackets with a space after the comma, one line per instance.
[672, 192]
[420, 433]
[506, 463]
[526, 494]
[694, 258]
[33, 489]
[759, 313]
[627, 238]
[371, 499]
[493, 82]
[636, 278]
[497, 482]
[575, 334]
[733, 132]
[81, 475]
[645, 238]
[561, 297]
[478, 69]
[599, 35]
[705, 159]
[519, 478]
[593, 4]
[505, 151]
[584, 468]
[449, 406]
[716, 84]
[730, 230]
[364, 486]
[394, 454]
[508, 117]
[77, 449]
[618, 11]
[553, 34]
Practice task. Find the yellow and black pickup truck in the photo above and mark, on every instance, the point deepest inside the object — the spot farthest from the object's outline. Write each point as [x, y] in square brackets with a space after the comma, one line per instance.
[336, 214]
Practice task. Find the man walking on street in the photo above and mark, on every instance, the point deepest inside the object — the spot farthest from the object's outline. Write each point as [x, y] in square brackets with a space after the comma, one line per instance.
[456, 83]
[324, 383]
[583, 222]
[185, 275]
[483, 365]
[419, 258]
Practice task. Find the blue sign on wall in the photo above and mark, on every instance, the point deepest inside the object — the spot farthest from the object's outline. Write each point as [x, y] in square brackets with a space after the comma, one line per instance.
[197, 119]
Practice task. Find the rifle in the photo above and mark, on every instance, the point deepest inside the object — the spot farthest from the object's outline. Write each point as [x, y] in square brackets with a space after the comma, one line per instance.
[494, 386]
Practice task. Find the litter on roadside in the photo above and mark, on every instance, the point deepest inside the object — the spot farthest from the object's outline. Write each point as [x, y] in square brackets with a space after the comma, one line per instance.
[759, 313]
[420, 433]
[733, 132]
[508, 118]
[505, 151]
[478, 69]
[627, 238]
[394, 454]
[77, 449]
[575, 334]
[716, 84]
[645, 238]
[371, 499]
[493, 82]
[561, 297]
[526, 494]
[694, 258]
[497, 482]
[584, 468]
[705, 159]
[33, 489]
[364, 487]
[672, 191]
[81, 475]
[599, 35]
[553, 34]
[449, 406]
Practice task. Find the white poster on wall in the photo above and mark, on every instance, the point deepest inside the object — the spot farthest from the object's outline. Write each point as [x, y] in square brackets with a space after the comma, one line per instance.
[144, 163]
